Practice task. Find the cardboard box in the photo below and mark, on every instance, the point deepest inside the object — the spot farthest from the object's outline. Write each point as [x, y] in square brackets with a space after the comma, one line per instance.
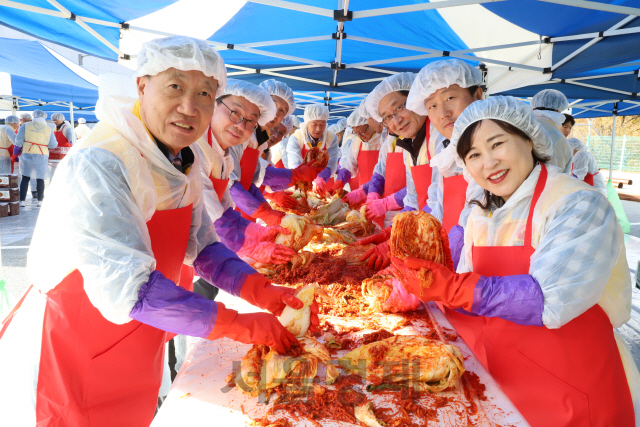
[9, 195]
[9, 181]
[4, 209]
[14, 208]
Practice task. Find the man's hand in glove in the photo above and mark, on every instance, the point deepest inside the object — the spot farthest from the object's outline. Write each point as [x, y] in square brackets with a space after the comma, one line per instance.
[355, 197]
[376, 239]
[378, 256]
[271, 253]
[304, 173]
[282, 199]
[454, 290]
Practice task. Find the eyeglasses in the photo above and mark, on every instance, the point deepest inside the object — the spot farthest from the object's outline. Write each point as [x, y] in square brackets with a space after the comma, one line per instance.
[362, 132]
[236, 118]
[398, 110]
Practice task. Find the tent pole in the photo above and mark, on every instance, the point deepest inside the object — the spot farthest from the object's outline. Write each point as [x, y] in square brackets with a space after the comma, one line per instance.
[613, 139]
[73, 129]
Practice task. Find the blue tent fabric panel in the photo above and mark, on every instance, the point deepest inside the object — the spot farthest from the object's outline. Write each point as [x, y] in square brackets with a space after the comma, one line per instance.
[68, 33]
[50, 92]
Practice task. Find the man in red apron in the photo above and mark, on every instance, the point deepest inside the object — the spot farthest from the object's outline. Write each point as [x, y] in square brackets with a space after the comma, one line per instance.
[442, 90]
[537, 303]
[585, 167]
[86, 344]
[314, 133]
[64, 131]
[387, 104]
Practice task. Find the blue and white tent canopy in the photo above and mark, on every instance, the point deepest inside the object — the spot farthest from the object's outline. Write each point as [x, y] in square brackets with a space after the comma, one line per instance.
[349, 46]
[33, 76]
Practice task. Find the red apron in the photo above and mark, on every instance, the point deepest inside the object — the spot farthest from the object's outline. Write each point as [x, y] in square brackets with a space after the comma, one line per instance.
[280, 164]
[589, 178]
[219, 185]
[454, 194]
[305, 150]
[94, 372]
[367, 161]
[571, 376]
[395, 178]
[421, 176]
[62, 140]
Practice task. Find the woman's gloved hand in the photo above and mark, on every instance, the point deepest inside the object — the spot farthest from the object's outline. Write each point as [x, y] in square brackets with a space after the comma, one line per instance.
[269, 215]
[282, 199]
[320, 186]
[355, 197]
[270, 253]
[379, 207]
[372, 196]
[264, 234]
[376, 239]
[378, 256]
[453, 289]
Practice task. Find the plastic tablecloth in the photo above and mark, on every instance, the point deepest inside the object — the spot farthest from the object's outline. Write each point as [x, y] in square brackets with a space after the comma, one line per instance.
[199, 396]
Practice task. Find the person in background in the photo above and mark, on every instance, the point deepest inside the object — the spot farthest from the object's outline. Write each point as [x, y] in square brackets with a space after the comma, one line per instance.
[543, 277]
[126, 210]
[295, 124]
[548, 105]
[568, 125]
[7, 139]
[64, 131]
[26, 118]
[82, 130]
[33, 142]
[314, 133]
[585, 167]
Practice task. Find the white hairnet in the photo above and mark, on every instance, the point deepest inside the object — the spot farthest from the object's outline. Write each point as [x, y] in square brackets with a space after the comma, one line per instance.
[280, 89]
[82, 120]
[57, 116]
[394, 83]
[342, 123]
[25, 116]
[362, 110]
[550, 98]
[12, 119]
[39, 113]
[184, 54]
[287, 123]
[295, 121]
[439, 75]
[576, 144]
[255, 95]
[507, 109]
[315, 112]
[334, 128]
[355, 119]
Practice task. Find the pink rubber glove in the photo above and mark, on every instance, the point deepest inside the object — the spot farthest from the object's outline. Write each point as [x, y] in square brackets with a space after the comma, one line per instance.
[264, 234]
[320, 185]
[355, 197]
[267, 253]
[400, 300]
[376, 208]
[372, 196]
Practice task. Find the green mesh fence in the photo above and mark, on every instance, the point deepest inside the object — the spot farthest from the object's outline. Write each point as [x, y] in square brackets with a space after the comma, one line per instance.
[626, 152]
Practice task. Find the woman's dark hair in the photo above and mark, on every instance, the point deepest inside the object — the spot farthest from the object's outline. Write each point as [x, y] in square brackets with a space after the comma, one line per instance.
[569, 118]
[464, 146]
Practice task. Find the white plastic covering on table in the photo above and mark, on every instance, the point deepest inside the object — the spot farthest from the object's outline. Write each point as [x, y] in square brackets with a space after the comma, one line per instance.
[198, 396]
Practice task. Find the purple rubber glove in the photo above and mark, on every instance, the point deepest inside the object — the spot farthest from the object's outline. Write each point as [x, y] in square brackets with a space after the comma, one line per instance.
[343, 175]
[222, 268]
[325, 174]
[17, 150]
[456, 242]
[277, 179]
[376, 184]
[426, 209]
[518, 299]
[233, 229]
[244, 200]
[169, 307]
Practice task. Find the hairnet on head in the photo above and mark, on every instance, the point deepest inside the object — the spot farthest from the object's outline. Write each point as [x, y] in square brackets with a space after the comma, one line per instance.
[255, 95]
[25, 116]
[316, 112]
[82, 120]
[287, 123]
[550, 98]
[576, 144]
[355, 119]
[295, 121]
[39, 113]
[394, 83]
[12, 119]
[280, 89]
[342, 123]
[362, 110]
[438, 75]
[507, 109]
[184, 54]
[334, 128]
[57, 116]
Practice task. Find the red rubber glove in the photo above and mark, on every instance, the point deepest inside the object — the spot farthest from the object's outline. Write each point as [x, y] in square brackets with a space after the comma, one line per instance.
[269, 253]
[252, 328]
[453, 289]
[378, 256]
[282, 199]
[337, 185]
[268, 215]
[264, 234]
[376, 239]
[304, 173]
[15, 158]
[355, 197]
[258, 291]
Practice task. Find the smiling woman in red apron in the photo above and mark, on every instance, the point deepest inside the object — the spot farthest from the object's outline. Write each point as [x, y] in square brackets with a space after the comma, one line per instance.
[543, 276]
[86, 343]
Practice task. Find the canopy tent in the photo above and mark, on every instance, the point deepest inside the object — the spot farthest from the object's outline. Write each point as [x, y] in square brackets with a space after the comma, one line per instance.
[33, 76]
[351, 45]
